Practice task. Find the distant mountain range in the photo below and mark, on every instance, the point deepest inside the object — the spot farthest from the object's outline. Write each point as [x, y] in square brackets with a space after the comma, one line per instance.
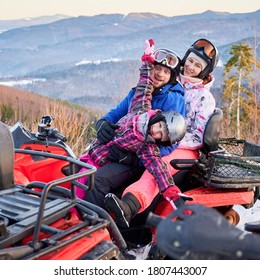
[23, 22]
[94, 60]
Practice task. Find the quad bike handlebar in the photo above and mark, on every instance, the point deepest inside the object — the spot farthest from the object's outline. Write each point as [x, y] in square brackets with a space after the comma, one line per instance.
[153, 220]
[203, 233]
[52, 133]
[44, 130]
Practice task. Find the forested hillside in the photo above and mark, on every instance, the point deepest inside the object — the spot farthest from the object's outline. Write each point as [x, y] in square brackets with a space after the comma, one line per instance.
[77, 122]
[73, 121]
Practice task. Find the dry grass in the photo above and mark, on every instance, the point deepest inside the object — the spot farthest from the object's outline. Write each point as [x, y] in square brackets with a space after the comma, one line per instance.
[73, 121]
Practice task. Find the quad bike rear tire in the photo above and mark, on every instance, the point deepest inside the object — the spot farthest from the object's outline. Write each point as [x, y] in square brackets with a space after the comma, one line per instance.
[230, 214]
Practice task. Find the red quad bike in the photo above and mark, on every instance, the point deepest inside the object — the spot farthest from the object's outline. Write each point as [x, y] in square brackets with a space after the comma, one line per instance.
[41, 217]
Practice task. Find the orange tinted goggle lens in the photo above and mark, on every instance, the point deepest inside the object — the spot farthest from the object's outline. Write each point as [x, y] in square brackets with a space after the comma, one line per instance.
[170, 59]
[208, 49]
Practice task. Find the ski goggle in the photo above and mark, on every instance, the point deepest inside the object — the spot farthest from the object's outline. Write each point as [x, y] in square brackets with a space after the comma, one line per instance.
[206, 48]
[166, 58]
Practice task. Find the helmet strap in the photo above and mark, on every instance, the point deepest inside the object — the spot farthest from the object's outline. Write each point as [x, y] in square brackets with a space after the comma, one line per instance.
[163, 143]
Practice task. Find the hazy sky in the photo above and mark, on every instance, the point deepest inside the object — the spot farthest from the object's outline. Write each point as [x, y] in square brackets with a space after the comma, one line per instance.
[15, 9]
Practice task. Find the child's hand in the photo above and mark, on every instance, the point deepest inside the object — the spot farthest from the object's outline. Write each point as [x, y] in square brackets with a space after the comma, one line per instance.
[148, 51]
[174, 195]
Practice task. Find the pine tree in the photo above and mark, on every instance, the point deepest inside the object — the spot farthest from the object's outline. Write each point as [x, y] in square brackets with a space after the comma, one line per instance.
[239, 100]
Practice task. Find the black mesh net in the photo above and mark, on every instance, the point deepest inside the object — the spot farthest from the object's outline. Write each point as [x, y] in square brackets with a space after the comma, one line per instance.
[237, 165]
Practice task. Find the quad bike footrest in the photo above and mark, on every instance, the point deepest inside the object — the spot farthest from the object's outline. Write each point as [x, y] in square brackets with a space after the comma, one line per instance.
[105, 250]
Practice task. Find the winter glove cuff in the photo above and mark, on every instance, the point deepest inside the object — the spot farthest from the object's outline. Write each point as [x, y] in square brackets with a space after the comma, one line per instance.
[175, 196]
[105, 130]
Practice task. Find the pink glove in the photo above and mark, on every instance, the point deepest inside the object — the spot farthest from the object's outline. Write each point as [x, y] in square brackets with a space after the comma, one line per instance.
[174, 195]
[148, 51]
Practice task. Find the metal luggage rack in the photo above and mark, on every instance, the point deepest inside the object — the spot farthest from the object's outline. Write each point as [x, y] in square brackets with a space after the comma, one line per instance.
[235, 165]
[25, 211]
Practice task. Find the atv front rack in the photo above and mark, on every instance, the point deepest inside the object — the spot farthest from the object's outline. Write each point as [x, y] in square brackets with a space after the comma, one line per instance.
[46, 221]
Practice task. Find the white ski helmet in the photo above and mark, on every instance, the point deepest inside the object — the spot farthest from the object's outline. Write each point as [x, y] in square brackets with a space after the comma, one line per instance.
[176, 126]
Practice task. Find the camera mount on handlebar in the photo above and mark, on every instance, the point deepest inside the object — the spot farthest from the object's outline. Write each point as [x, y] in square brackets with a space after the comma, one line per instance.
[45, 132]
[47, 120]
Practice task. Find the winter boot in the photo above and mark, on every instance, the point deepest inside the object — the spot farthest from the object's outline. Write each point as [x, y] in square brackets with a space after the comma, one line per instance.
[123, 210]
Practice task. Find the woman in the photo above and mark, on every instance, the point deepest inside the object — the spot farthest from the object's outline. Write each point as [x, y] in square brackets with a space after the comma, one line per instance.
[196, 78]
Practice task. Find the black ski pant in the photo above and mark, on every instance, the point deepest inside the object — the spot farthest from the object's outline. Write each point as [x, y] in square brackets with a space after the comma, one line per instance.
[113, 177]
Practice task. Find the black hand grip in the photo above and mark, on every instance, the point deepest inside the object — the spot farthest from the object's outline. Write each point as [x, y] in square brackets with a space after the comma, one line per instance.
[153, 220]
[183, 164]
[54, 133]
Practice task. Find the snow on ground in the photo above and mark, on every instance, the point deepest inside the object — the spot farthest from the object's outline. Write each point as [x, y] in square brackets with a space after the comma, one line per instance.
[248, 215]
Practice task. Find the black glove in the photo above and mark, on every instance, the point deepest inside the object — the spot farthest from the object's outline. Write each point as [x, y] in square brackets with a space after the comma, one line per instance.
[120, 155]
[105, 130]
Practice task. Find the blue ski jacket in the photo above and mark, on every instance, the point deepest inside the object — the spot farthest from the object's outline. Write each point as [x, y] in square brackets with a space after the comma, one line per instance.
[169, 97]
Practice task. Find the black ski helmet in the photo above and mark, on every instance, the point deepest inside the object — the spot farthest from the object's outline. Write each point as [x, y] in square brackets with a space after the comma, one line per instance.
[207, 51]
[175, 124]
[169, 59]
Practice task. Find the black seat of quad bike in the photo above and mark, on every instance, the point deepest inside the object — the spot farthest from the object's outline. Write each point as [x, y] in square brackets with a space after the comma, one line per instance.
[6, 157]
[212, 132]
